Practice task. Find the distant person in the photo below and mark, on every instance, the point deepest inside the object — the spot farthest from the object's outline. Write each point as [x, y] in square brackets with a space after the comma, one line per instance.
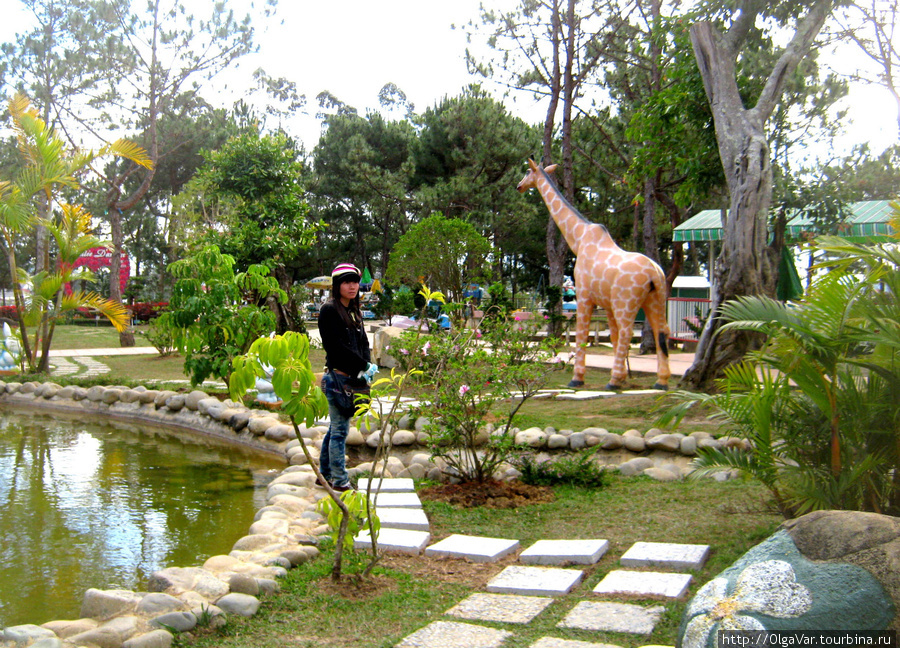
[348, 369]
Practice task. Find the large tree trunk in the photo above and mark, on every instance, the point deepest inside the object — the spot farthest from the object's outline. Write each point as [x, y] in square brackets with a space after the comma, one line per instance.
[746, 265]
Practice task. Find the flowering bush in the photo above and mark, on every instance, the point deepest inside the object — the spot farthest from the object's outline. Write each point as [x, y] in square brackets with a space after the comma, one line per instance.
[472, 376]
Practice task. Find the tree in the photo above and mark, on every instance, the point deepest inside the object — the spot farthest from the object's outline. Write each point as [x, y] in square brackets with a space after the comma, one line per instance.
[125, 69]
[444, 253]
[746, 265]
[47, 171]
[255, 180]
[361, 190]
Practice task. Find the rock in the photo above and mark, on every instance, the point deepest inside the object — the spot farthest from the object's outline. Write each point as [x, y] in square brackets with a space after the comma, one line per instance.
[279, 433]
[355, 437]
[111, 396]
[635, 466]
[192, 400]
[668, 442]
[240, 604]
[259, 424]
[24, 634]
[238, 421]
[180, 621]
[634, 443]
[176, 580]
[156, 603]
[95, 393]
[661, 474]
[413, 471]
[403, 438]
[776, 586]
[154, 639]
[243, 584]
[533, 437]
[688, 446]
[653, 432]
[421, 424]
[162, 397]
[612, 441]
[106, 604]
[867, 540]
[64, 629]
[557, 441]
[577, 441]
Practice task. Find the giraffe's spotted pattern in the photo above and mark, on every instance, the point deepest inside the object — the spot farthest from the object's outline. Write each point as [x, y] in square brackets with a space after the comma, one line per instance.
[608, 277]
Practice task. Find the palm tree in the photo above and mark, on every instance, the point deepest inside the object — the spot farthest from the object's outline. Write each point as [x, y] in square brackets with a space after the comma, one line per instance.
[47, 169]
[819, 402]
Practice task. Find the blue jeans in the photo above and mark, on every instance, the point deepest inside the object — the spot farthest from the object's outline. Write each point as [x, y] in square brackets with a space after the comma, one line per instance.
[331, 457]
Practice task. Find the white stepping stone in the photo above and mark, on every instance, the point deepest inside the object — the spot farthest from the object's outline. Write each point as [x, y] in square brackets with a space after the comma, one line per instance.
[553, 642]
[535, 581]
[394, 541]
[394, 485]
[586, 395]
[641, 583]
[62, 367]
[397, 500]
[665, 554]
[474, 548]
[561, 552]
[502, 608]
[403, 518]
[613, 617]
[450, 634]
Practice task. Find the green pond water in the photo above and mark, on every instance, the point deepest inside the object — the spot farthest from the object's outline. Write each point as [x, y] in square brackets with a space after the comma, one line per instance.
[104, 505]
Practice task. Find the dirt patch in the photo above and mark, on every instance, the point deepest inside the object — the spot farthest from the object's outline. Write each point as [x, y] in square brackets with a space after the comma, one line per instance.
[490, 494]
[356, 589]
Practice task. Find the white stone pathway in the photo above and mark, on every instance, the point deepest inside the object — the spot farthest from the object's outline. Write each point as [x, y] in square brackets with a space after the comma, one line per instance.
[83, 366]
[519, 594]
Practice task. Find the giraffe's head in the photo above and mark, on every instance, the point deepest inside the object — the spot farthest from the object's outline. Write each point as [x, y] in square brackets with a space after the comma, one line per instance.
[530, 179]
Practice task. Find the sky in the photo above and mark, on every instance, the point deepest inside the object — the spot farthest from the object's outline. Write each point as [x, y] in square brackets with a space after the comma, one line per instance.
[352, 48]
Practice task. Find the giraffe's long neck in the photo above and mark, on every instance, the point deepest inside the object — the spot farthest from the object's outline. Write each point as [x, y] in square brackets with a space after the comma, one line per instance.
[571, 223]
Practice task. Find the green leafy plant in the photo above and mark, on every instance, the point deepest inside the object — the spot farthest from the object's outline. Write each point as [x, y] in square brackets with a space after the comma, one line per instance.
[819, 401]
[360, 515]
[579, 470]
[469, 373]
[213, 314]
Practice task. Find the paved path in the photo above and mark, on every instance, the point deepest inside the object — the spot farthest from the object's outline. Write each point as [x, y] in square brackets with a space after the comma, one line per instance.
[542, 575]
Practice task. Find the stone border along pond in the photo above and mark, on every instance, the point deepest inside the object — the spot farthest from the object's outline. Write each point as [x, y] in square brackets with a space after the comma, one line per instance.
[285, 532]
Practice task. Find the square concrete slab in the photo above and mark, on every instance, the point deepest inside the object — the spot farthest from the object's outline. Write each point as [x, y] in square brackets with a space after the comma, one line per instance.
[474, 548]
[392, 485]
[394, 541]
[613, 617]
[503, 608]
[562, 552]
[397, 500]
[586, 395]
[553, 642]
[449, 634]
[665, 554]
[647, 584]
[411, 519]
[535, 581]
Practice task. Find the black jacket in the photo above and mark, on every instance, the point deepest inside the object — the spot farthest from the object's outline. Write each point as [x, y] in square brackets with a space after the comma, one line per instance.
[346, 349]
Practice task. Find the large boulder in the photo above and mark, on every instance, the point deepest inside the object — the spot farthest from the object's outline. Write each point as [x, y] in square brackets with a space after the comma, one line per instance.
[834, 570]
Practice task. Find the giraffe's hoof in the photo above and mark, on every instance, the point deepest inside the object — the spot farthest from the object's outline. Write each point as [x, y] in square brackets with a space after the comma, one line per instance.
[576, 384]
[660, 387]
[615, 388]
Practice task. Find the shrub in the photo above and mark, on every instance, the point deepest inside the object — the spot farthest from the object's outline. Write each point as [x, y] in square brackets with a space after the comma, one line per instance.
[578, 470]
[148, 311]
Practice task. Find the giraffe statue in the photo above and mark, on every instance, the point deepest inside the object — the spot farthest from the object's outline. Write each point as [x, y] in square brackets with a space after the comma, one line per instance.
[619, 282]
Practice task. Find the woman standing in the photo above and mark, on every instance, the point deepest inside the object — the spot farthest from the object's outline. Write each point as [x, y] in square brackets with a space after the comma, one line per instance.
[348, 368]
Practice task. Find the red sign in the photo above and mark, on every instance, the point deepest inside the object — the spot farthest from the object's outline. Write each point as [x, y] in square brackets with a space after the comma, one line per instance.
[100, 257]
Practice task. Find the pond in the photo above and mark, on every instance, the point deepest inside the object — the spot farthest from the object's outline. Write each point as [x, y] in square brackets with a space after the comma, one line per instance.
[104, 505]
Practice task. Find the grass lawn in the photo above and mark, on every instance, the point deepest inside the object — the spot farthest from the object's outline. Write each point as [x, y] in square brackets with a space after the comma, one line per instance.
[409, 592]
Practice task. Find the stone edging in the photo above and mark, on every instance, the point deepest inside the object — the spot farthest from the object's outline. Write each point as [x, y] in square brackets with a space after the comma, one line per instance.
[285, 531]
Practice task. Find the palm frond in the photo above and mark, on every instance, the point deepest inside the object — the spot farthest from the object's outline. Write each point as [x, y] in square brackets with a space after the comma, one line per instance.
[114, 311]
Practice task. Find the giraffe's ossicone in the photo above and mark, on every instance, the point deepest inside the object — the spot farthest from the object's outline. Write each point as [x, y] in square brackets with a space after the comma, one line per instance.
[606, 276]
